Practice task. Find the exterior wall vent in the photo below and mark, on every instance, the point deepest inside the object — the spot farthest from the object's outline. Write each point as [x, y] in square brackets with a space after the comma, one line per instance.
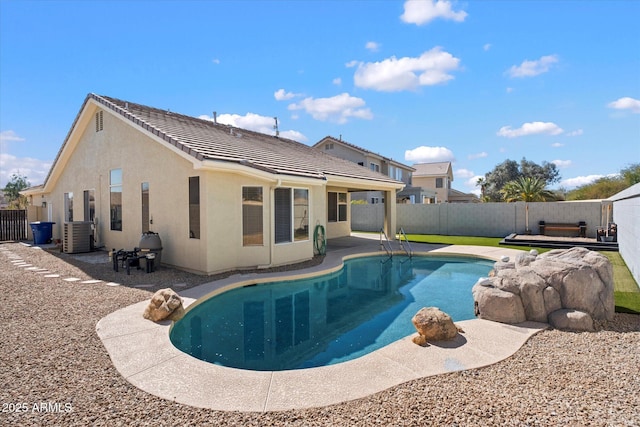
[99, 121]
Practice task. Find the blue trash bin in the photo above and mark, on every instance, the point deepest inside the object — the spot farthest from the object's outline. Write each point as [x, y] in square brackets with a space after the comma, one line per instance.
[41, 232]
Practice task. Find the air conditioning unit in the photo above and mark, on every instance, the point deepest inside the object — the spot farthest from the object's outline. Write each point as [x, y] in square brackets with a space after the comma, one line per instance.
[77, 237]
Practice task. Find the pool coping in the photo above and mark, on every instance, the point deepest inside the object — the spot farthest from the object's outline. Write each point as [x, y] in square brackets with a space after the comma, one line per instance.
[143, 354]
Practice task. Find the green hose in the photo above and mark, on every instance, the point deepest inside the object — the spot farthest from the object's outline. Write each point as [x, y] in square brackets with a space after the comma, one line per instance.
[319, 240]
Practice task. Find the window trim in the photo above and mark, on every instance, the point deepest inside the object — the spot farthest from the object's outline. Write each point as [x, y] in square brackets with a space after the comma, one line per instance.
[291, 216]
[194, 214]
[245, 243]
[113, 216]
[338, 204]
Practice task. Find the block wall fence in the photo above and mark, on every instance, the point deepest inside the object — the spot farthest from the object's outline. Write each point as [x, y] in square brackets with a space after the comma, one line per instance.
[483, 219]
[626, 208]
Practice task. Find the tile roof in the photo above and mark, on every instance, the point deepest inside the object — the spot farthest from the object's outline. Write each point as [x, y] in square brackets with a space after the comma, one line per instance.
[206, 140]
[431, 169]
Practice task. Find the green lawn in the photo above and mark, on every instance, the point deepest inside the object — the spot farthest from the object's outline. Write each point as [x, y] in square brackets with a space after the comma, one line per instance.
[626, 290]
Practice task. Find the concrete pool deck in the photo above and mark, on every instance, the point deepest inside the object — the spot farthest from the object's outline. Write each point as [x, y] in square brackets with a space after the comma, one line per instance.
[142, 352]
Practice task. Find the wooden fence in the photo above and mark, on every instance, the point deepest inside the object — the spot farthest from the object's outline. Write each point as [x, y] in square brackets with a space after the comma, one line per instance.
[13, 225]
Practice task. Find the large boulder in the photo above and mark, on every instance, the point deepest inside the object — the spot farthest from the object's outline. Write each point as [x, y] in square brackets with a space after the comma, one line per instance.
[433, 324]
[566, 288]
[164, 304]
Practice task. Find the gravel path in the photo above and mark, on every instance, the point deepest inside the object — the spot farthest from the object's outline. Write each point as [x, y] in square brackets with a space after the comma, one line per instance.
[55, 371]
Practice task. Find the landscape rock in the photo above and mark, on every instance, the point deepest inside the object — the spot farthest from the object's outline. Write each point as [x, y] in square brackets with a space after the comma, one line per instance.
[433, 324]
[572, 320]
[567, 288]
[164, 304]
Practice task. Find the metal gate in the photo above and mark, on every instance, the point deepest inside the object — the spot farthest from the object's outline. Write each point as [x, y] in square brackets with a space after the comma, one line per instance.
[13, 224]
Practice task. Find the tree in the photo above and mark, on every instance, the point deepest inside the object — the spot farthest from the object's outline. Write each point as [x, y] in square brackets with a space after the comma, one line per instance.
[631, 174]
[510, 170]
[12, 190]
[607, 186]
[526, 189]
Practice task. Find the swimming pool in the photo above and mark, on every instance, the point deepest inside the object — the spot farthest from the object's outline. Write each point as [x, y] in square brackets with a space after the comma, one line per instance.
[327, 319]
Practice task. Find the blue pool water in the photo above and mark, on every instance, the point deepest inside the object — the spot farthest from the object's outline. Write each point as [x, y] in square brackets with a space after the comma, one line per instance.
[327, 319]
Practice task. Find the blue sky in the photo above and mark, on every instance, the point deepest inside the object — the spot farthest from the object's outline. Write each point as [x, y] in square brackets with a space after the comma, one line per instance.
[474, 82]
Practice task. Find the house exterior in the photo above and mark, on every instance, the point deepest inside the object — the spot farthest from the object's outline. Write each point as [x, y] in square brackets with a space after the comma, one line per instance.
[368, 159]
[436, 178]
[220, 198]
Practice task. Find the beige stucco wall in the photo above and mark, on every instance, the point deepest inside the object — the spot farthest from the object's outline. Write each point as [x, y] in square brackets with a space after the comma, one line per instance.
[442, 194]
[143, 159]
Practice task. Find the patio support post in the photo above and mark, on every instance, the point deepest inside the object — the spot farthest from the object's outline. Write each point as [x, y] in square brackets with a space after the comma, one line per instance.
[390, 214]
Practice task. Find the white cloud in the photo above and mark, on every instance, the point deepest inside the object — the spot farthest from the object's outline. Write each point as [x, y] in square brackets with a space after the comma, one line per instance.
[579, 180]
[577, 132]
[35, 170]
[421, 12]
[509, 90]
[557, 144]
[293, 134]
[424, 154]
[372, 46]
[480, 155]
[256, 123]
[10, 136]
[626, 103]
[282, 95]
[533, 68]
[339, 108]
[352, 64]
[408, 73]
[562, 163]
[337, 81]
[463, 173]
[487, 46]
[472, 183]
[215, 61]
[533, 128]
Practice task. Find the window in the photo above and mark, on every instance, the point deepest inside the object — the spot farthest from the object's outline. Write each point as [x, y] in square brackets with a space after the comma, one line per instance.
[146, 220]
[194, 207]
[398, 174]
[282, 215]
[337, 205]
[291, 214]
[89, 205]
[328, 146]
[438, 182]
[99, 122]
[252, 205]
[374, 167]
[115, 204]
[292, 314]
[300, 214]
[68, 207]
[360, 163]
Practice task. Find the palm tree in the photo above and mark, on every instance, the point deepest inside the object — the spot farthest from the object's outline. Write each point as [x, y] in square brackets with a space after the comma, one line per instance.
[482, 182]
[526, 189]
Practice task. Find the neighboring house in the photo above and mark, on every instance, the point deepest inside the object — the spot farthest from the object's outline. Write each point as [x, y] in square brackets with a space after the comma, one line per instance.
[221, 198]
[436, 179]
[372, 161]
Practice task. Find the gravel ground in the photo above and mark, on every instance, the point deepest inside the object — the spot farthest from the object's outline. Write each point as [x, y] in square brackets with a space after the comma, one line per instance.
[55, 371]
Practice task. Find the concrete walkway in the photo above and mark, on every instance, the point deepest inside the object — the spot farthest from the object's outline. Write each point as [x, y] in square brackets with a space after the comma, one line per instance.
[142, 352]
